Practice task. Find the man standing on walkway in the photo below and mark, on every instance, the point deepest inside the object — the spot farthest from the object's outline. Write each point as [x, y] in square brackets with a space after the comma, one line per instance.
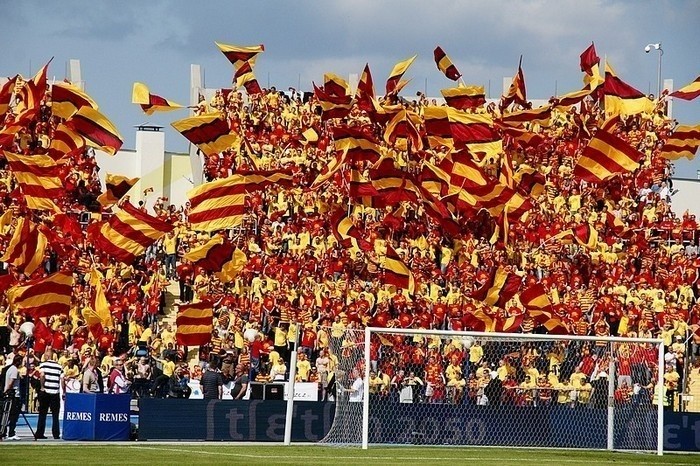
[11, 391]
[50, 395]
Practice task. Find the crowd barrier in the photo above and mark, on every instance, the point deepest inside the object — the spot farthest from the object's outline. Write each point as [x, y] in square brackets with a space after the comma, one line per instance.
[263, 421]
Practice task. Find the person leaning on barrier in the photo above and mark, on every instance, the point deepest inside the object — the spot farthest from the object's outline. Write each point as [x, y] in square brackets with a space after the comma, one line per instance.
[240, 383]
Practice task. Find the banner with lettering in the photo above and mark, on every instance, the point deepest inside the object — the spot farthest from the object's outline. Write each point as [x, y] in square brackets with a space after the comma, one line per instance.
[96, 417]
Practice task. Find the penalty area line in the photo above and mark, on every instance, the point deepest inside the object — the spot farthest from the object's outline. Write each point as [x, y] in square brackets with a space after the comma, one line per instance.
[392, 458]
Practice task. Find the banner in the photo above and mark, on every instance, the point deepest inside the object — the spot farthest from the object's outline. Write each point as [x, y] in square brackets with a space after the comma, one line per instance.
[96, 417]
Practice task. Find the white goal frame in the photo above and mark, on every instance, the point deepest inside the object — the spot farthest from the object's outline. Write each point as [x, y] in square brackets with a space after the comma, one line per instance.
[529, 337]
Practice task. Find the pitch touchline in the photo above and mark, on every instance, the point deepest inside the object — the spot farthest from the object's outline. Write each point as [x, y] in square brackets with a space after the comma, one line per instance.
[384, 458]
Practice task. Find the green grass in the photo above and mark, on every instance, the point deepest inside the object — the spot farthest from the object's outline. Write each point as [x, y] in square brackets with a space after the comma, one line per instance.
[227, 453]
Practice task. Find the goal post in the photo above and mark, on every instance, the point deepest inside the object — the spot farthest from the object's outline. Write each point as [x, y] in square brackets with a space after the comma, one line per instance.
[433, 387]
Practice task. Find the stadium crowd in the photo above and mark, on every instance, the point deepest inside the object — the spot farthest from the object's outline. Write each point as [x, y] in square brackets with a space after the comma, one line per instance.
[639, 279]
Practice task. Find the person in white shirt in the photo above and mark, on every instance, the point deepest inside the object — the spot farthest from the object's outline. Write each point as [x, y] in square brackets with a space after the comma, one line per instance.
[358, 388]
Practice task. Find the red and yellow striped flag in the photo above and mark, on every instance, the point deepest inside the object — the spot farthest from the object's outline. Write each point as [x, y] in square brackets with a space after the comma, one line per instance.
[402, 129]
[245, 77]
[237, 53]
[361, 146]
[97, 130]
[621, 98]
[129, 232]
[195, 323]
[392, 84]
[541, 116]
[38, 179]
[116, 187]
[44, 297]
[212, 255]
[232, 267]
[516, 92]
[27, 247]
[689, 92]
[445, 65]
[65, 143]
[335, 85]
[583, 235]
[332, 106]
[33, 91]
[67, 99]
[535, 298]
[151, 103]
[347, 233]
[684, 142]
[606, 156]
[209, 132]
[464, 97]
[499, 288]
[365, 91]
[396, 272]
[6, 95]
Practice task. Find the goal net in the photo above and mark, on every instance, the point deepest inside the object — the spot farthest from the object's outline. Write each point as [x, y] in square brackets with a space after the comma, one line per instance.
[425, 387]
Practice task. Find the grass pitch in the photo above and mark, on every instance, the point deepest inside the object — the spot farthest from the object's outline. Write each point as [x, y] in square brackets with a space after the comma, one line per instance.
[34, 453]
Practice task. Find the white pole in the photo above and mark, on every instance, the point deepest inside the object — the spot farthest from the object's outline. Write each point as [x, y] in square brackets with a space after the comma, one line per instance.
[611, 398]
[660, 402]
[365, 395]
[658, 81]
[510, 336]
[290, 390]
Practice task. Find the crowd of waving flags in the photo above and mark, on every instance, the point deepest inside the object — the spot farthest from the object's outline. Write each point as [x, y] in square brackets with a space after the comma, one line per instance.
[455, 187]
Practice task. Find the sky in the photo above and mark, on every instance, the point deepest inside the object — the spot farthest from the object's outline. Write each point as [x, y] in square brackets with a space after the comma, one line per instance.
[120, 42]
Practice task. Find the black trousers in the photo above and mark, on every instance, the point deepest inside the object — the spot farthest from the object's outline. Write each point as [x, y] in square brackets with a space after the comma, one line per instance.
[15, 409]
[49, 402]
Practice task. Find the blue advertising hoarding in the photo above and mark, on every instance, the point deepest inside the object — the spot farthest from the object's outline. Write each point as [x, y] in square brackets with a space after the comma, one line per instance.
[89, 416]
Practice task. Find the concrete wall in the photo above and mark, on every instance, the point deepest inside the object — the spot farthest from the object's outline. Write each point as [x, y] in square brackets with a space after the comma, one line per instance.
[168, 173]
[687, 197]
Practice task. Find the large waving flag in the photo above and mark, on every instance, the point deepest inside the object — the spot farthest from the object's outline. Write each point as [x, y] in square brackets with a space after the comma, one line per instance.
[684, 142]
[38, 179]
[116, 187]
[44, 297]
[129, 232]
[360, 145]
[65, 143]
[445, 65]
[689, 92]
[209, 132]
[622, 99]
[606, 156]
[396, 272]
[245, 77]
[347, 233]
[67, 99]
[464, 97]
[541, 116]
[151, 103]
[195, 323]
[212, 255]
[583, 235]
[392, 84]
[333, 106]
[27, 247]
[232, 267]
[535, 298]
[97, 130]
[499, 289]
[402, 129]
